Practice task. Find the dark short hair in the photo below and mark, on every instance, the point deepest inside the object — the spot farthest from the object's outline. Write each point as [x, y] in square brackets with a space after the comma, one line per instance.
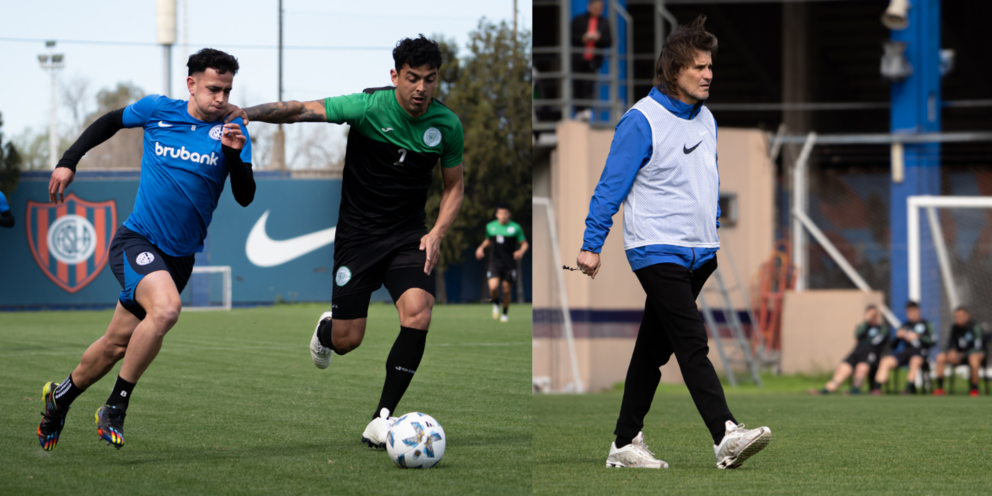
[208, 58]
[912, 304]
[502, 206]
[680, 52]
[417, 52]
[870, 307]
[961, 308]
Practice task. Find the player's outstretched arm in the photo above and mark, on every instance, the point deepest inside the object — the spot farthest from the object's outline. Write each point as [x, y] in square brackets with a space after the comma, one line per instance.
[480, 252]
[286, 112]
[101, 130]
[451, 203]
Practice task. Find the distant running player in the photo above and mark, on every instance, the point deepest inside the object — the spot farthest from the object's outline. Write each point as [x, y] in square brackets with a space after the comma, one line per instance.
[397, 135]
[662, 167]
[913, 342]
[188, 154]
[964, 346]
[6, 219]
[508, 245]
[872, 336]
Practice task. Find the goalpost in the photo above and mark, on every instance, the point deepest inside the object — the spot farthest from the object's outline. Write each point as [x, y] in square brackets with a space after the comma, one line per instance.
[216, 295]
[962, 271]
[554, 320]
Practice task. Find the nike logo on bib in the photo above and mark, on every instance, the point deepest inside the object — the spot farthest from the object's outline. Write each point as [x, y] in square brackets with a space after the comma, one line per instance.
[689, 150]
[163, 124]
[264, 251]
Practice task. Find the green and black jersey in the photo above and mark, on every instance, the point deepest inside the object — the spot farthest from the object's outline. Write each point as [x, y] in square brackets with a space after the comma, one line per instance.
[389, 160]
[870, 336]
[923, 330]
[505, 239]
[966, 338]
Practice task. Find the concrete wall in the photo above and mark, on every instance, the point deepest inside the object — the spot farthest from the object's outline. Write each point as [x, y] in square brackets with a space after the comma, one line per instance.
[606, 311]
[818, 327]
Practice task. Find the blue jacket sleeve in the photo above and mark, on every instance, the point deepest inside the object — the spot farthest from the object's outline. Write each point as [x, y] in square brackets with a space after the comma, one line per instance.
[3, 203]
[630, 150]
[716, 135]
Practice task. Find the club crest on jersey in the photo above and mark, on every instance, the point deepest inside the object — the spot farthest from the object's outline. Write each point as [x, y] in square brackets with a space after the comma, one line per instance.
[215, 132]
[343, 276]
[432, 136]
[71, 242]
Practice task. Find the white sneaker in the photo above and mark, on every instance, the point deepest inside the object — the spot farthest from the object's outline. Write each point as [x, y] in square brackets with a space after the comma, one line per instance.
[634, 455]
[378, 429]
[739, 444]
[495, 311]
[320, 354]
[504, 318]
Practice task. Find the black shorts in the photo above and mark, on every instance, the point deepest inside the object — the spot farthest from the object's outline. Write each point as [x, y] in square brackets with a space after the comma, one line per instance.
[909, 352]
[132, 257]
[862, 355]
[503, 273]
[363, 267]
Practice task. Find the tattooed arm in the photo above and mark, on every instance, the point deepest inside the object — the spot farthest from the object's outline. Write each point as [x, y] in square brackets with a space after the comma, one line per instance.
[288, 112]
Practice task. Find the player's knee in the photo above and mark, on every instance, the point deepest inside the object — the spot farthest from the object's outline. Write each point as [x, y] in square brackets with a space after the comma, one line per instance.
[419, 318]
[941, 356]
[862, 368]
[165, 315]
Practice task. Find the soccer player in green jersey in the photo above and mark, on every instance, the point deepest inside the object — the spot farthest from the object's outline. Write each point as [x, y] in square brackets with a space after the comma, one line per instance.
[509, 245]
[398, 134]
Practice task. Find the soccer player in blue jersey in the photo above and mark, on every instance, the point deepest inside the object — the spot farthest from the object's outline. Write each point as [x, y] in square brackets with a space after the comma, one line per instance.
[188, 153]
[663, 167]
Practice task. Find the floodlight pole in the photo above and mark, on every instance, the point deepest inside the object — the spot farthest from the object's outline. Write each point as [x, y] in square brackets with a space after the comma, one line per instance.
[166, 38]
[52, 62]
[279, 139]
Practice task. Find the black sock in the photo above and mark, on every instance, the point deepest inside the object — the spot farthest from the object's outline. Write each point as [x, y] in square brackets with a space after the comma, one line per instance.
[623, 441]
[974, 387]
[496, 300]
[324, 334]
[911, 387]
[66, 393]
[121, 394]
[401, 364]
[506, 310]
[940, 383]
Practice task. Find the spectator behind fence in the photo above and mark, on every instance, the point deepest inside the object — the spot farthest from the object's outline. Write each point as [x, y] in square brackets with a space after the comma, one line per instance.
[913, 342]
[590, 31]
[872, 336]
[965, 343]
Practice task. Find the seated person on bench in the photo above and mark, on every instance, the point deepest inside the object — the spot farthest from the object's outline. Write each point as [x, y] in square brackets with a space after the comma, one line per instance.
[872, 336]
[913, 342]
[964, 344]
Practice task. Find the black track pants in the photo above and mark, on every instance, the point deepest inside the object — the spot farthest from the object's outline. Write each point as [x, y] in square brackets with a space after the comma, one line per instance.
[671, 324]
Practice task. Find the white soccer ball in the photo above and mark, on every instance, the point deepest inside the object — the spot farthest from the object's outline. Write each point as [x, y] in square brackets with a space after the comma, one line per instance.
[416, 440]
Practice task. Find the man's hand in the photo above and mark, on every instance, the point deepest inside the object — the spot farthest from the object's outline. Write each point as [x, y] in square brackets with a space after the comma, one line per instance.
[480, 253]
[231, 136]
[61, 179]
[431, 243]
[588, 262]
[517, 255]
[233, 112]
[910, 336]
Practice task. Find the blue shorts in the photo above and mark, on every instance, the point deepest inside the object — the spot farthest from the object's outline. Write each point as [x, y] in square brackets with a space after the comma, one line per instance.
[132, 257]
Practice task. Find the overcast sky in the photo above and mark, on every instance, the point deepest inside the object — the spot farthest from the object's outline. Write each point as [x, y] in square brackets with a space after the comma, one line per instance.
[228, 26]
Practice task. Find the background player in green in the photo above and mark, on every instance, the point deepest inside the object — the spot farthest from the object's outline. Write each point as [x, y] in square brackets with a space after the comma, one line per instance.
[398, 133]
[509, 245]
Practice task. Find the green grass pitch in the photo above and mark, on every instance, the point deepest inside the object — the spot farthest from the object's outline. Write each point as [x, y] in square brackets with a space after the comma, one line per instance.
[821, 445]
[233, 405]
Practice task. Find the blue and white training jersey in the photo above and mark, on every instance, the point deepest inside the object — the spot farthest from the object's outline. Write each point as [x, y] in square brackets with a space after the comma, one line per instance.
[662, 167]
[182, 174]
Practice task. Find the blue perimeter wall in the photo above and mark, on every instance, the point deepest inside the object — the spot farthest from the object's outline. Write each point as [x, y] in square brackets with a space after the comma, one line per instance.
[296, 207]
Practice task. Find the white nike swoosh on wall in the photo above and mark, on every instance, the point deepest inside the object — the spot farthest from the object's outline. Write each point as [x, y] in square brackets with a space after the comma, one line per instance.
[264, 251]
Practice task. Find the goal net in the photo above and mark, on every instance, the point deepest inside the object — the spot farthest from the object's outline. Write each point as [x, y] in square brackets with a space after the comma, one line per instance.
[555, 365]
[957, 232]
[209, 288]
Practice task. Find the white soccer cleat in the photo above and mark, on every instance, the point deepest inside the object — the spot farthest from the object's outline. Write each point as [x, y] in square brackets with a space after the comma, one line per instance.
[739, 444]
[320, 354]
[495, 311]
[504, 318]
[378, 430]
[634, 455]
